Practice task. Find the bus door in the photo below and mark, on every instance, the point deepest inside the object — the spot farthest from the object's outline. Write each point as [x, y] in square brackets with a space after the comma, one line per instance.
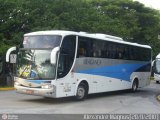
[65, 79]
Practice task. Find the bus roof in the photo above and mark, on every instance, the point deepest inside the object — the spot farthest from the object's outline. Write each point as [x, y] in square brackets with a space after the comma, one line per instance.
[85, 34]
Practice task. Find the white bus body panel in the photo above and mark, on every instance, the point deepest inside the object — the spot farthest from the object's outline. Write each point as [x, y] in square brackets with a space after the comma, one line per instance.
[67, 87]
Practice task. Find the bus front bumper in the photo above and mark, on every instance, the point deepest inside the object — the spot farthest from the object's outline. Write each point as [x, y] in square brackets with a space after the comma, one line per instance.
[36, 91]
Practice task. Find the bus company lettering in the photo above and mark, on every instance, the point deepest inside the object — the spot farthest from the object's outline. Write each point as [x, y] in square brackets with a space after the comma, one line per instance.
[92, 61]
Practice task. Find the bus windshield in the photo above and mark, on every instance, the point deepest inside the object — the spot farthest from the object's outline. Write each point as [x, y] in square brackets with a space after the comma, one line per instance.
[33, 59]
[158, 65]
[35, 64]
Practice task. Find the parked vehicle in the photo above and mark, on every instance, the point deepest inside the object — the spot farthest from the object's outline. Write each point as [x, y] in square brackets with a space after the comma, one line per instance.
[156, 69]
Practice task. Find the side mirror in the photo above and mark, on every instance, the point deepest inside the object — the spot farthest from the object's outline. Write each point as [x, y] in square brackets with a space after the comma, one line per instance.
[9, 52]
[54, 55]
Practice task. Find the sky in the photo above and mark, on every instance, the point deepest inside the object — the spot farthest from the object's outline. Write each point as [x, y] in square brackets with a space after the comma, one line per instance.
[151, 3]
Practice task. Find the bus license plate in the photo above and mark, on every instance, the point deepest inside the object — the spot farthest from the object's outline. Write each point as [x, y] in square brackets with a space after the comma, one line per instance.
[29, 91]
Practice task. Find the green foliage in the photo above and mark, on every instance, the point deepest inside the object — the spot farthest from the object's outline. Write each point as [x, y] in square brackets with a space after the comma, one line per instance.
[124, 18]
[133, 21]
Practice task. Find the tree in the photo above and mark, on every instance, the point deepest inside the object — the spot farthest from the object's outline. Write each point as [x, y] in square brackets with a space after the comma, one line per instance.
[134, 21]
[125, 18]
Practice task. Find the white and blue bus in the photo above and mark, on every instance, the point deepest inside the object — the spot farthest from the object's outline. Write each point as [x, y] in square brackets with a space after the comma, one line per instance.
[65, 63]
[156, 69]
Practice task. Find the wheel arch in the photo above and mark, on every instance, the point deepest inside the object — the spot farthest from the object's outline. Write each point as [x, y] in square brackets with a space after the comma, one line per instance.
[135, 79]
[82, 81]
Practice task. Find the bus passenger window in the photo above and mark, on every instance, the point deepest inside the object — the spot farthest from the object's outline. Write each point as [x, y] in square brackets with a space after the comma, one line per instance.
[82, 52]
[82, 48]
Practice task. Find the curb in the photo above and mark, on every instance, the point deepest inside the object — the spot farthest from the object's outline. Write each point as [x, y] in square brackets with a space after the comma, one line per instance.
[5, 89]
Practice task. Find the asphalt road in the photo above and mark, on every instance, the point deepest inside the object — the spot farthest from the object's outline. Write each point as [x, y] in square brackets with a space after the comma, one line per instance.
[143, 101]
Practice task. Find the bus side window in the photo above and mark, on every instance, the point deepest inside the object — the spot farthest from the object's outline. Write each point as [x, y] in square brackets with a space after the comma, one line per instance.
[126, 53]
[82, 52]
[66, 57]
[84, 49]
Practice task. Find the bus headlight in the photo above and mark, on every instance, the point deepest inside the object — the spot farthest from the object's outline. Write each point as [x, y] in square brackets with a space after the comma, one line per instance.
[46, 86]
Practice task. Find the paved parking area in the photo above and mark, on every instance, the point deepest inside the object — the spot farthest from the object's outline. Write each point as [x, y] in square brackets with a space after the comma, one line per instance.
[143, 101]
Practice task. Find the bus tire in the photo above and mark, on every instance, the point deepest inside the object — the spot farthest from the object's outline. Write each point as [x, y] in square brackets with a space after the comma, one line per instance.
[157, 82]
[135, 85]
[81, 92]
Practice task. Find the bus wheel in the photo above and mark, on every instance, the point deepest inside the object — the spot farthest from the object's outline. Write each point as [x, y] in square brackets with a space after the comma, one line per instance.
[157, 82]
[135, 85]
[81, 92]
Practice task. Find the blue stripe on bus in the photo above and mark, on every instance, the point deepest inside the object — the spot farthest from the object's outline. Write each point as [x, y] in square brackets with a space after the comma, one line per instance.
[120, 71]
[39, 81]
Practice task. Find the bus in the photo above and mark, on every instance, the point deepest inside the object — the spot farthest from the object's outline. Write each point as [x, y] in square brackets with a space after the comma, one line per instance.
[66, 63]
[156, 69]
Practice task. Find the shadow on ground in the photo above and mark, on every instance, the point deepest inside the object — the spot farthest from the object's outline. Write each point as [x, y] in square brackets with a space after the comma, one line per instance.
[45, 100]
